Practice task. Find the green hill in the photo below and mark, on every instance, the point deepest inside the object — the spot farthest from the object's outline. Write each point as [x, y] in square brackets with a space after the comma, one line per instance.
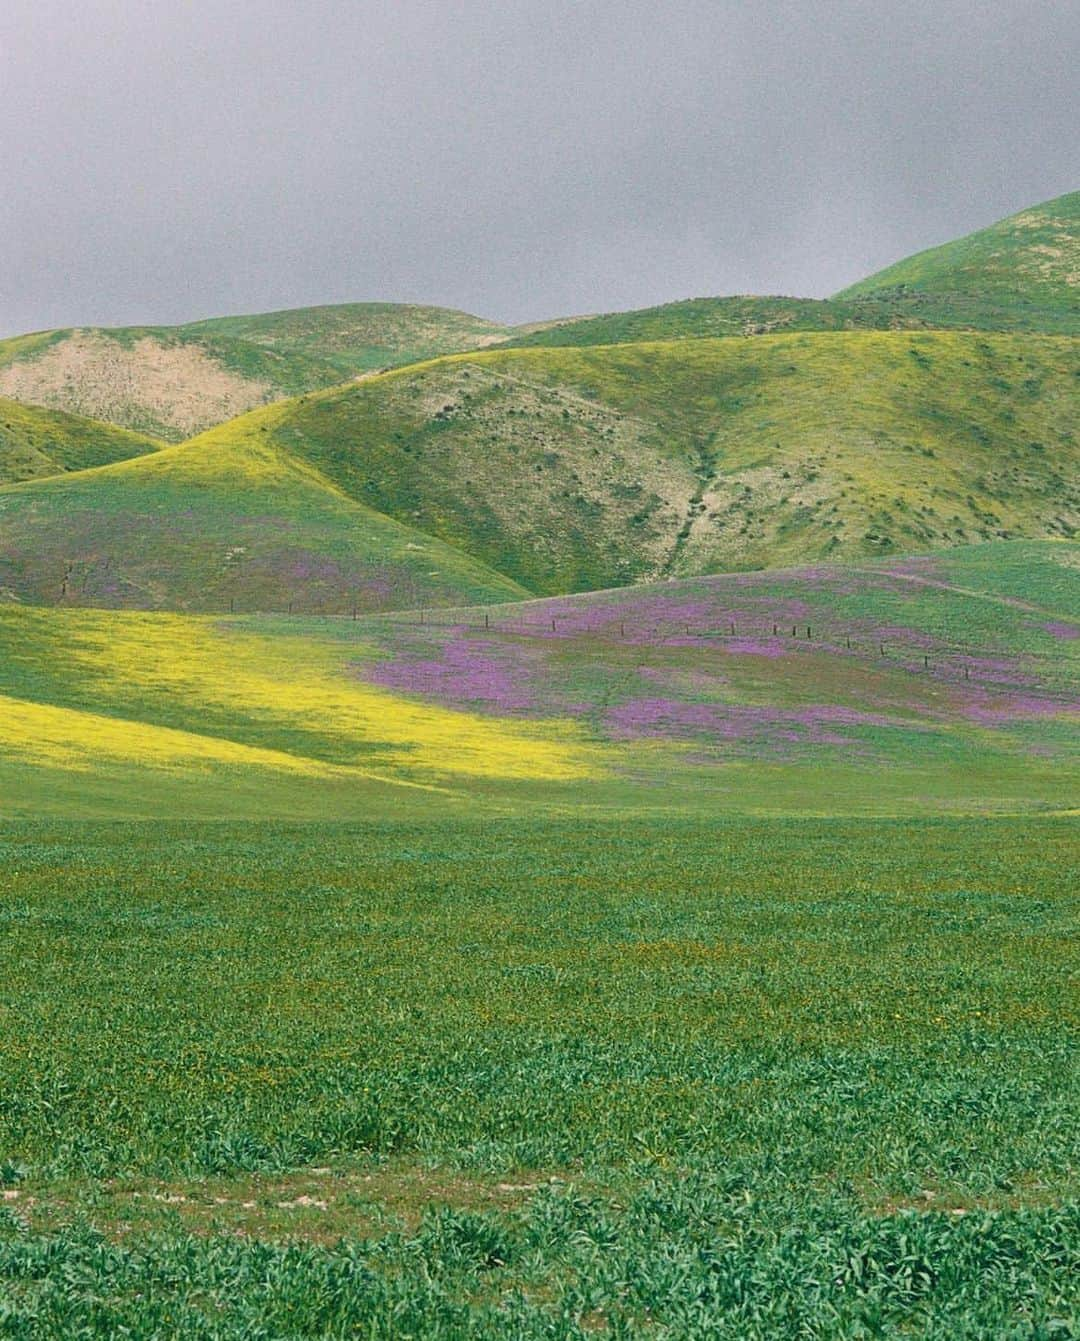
[924, 685]
[572, 469]
[890, 309]
[359, 337]
[35, 442]
[206, 529]
[1030, 259]
[173, 381]
[1022, 274]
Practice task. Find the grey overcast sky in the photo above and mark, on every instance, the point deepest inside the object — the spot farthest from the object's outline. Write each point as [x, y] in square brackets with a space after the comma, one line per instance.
[162, 160]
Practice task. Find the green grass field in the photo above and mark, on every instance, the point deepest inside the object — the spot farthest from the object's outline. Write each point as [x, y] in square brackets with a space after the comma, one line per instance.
[915, 687]
[548, 842]
[729, 1079]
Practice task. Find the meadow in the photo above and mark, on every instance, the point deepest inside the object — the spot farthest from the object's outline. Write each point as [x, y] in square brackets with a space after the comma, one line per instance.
[525, 1078]
[940, 684]
[569, 838]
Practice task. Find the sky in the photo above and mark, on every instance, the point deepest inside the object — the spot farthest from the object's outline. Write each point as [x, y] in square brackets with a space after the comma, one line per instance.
[165, 160]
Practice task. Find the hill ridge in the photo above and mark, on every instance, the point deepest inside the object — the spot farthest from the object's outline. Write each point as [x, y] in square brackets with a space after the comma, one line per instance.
[1033, 255]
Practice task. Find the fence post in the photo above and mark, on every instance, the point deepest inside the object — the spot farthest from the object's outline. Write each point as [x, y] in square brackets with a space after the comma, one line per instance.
[622, 630]
[485, 619]
[808, 630]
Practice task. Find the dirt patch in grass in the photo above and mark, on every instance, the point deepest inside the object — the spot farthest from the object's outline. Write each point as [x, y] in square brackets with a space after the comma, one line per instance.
[316, 1205]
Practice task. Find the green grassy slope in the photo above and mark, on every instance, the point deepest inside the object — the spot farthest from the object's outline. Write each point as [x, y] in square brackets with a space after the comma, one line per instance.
[919, 690]
[174, 381]
[1021, 274]
[36, 442]
[358, 337]
[697, 318]
[948, 674]
[1029, 258]
[193, 528]
[571, 469]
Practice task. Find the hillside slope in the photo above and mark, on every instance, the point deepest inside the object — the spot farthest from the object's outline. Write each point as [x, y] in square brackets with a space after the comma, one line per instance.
[574, 469]
[174, 381]
[1021, 274]
[36, 442]
[913, 693]
[887, 310]
[359, 337]
[203, 529]
[1032, 258]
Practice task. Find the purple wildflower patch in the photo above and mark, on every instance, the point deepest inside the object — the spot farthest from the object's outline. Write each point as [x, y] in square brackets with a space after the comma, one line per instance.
[665, 717]
[466, 672]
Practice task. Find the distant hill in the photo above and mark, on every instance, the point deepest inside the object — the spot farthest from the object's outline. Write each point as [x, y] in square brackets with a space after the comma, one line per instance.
[36, 442]
[1022, 274]
[210, 529]
[174, 381]
[888, 310]
[359, 337]
[1019, 275]
[572, 469]
[1030, 259]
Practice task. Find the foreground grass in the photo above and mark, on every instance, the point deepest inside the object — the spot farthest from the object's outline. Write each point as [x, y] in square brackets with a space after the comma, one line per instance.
[539, 1080]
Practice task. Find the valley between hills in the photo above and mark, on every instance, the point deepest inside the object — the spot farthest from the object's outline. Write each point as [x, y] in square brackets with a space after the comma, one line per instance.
[380, 495]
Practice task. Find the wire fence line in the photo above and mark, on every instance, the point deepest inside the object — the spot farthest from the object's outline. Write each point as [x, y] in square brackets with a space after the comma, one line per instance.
[948, 659]
[952, 659]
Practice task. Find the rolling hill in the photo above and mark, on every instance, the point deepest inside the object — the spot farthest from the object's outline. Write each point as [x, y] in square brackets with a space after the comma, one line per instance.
[200, 528]
[923, 685]
[1031, 259]
[173, 381]
[572, 469]
[887, 310]
[35, 442]
[359, 337]
[578, 455]
[1021, 274]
